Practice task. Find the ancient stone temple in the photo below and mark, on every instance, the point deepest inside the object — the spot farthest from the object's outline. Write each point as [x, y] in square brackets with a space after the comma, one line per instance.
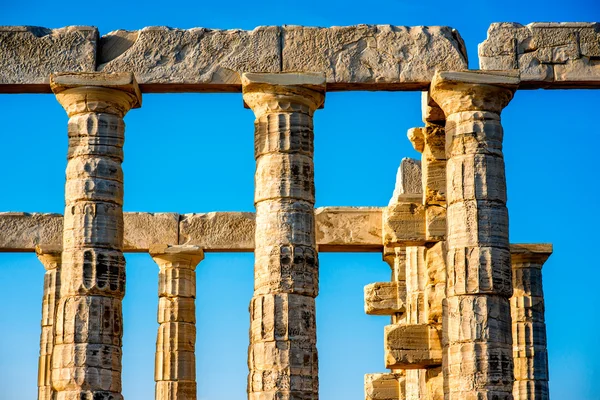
[466, 305]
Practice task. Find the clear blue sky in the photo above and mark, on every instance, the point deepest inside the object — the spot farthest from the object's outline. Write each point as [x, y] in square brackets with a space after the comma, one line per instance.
[194, 153]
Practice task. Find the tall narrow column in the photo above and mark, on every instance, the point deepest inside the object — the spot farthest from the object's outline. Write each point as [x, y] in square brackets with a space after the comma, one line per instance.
[86, 363]
[479, 362]
[282, 356]
[51, 259]
[528, 322]
[175, 367]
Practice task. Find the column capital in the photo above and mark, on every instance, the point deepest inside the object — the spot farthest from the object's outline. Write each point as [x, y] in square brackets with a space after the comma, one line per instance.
[113, 93]
[530, 255]
[183, 255]
[457, 91]
[285, 92]
[49, 256]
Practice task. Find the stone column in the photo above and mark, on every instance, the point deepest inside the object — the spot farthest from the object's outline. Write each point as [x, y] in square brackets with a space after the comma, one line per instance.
[86, 363]
[282, 356]
[51, 259]
[175, 367]
[479, 362]
[528, 323]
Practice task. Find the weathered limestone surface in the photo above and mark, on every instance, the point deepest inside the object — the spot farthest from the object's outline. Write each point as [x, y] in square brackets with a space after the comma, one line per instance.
[198, 58]
[86, 362]
[478, 347]
[547, 55]
[143, 230]
[194, 60]
[175, 363]
[528, 324]
[29, 54]
[387, 386]
[231, 231]
[51, 259]
[348, 228]
[23, 231]
[337, 229]
[412, 346]
[385, 298]
[404, 218]
[373, 56]
[282, 357]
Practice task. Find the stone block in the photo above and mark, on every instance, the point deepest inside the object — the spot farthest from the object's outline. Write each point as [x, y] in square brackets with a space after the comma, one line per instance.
[385, 298]
[408, 181]
[24, 231]
[218, 231]
[348, 228]
[384, 386]
[546, 54]
[144, 230]
[162, 57]
[30, 53]
[412, 346]
[372, 55]
[404, 224]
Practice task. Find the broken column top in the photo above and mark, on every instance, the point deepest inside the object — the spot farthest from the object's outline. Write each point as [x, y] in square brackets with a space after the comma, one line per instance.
[409, 185]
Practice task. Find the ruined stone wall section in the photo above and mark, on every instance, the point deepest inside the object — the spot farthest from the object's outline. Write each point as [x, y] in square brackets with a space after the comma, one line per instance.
[554, 54]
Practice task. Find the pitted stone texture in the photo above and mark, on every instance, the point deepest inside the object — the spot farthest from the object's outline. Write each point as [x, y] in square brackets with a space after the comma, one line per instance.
[408, 181]
[546, 54]
[385, 298]
[367, 56]
[51, 259]
[144, 230]
[89, 318]
[476, 317]
[414, 346]
[24, 231]
[283, 356]
[175, 362]
[164, 56]
[385, 386]
[348, 228]
[30, 53]
[528, 326]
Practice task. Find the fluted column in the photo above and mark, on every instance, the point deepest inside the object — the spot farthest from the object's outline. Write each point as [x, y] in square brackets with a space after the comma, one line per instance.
[479, 362]
[282, 356]
[89, 322]
[175, 367]
[528, 323]
[51, 259]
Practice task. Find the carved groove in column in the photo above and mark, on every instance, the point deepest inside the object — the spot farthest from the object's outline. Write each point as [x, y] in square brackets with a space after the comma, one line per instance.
[528, 327]
[175, 363]
[478, 352]
[51, 259]
[87, 359]
[282, 356]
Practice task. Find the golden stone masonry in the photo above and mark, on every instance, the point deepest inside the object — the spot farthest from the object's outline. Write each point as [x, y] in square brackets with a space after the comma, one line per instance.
[466, 305]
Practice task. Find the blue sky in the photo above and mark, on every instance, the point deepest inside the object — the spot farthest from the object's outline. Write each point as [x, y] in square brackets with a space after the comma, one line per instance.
[194, 153]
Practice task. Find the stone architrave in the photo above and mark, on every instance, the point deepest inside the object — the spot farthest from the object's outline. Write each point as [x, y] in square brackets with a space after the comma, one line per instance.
[175, 367]
[477, 314]
[528, 323]
[86, 362]
[282, 356]
[51, 259]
